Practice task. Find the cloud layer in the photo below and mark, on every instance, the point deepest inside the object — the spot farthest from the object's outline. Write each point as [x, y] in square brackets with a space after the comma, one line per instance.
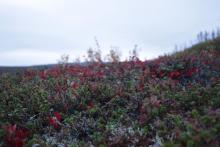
[49, 28]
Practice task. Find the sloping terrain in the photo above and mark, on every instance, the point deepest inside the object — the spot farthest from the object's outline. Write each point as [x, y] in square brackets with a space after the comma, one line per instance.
[170, 101]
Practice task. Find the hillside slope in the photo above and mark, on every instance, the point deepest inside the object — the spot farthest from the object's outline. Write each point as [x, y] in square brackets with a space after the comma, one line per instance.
[170, 101]
[196, 49]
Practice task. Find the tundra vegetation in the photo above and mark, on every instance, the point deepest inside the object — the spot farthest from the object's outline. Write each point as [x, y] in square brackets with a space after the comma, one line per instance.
[171, 101]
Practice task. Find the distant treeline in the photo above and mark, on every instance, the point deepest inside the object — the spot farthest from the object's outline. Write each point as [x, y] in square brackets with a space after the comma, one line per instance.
[205, 35]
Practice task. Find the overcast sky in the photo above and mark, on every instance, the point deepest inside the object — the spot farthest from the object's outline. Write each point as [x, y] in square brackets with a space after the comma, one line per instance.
[40, 31]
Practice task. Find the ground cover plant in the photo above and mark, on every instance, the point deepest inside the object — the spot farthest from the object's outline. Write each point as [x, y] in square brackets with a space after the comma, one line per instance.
[169, 101]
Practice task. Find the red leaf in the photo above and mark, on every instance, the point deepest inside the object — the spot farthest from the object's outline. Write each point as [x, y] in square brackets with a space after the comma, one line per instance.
[74, 85]
[174, 74]
[57, 115]
[90, 104]
[53, 123]
[10, 129]
[191, 71]
[42, 75]
[15, 137]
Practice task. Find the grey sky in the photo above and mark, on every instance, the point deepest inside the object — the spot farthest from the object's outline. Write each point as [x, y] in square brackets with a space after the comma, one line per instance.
[40, 31]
